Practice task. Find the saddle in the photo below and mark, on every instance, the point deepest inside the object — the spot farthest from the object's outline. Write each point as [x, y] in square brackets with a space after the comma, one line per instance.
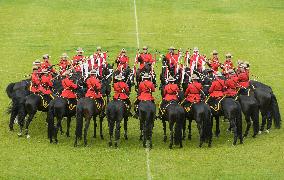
[45, 99]
[215, 104]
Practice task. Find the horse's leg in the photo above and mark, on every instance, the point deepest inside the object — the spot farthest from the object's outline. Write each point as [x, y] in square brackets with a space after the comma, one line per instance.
[144, 134]
[101, 127]
[165, 130]
[269, 122]
[58, 125]
[234, 126]
[263, 122]
[171, 124]
[29, 120]
[248, 125]
[125, 128]
[95, 127]
[14, 113]
[217, 132]
[141, 129]
[87, 124]
[68, 126]
[189, 129]
[111, 126]
[117, 133]
[183, 130]
[201, 138]
[150, 135]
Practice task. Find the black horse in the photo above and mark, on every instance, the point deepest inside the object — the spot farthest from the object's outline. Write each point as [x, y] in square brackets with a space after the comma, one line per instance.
[17, 92]
[61, 107]
[116, 111]
[268, 105]
[106, 81]
[231, 110]
[200, 112]
[250, 109]
[175, 115]
[87, 108]
[147, 112]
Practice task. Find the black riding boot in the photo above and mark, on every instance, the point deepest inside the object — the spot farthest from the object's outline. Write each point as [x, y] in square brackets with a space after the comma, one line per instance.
[136, 103]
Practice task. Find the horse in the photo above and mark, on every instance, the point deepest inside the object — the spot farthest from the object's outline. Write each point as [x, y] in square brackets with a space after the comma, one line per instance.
[116, 111]
[175, 115]
[147, 112]
[61, 107]
[250, 109]
[106, 81]
[17, 92]
[200, 112]
[268, 105]
[87, 108]
[231, 110]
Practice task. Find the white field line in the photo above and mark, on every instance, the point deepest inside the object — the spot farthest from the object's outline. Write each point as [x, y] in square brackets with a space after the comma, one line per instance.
[149, 176]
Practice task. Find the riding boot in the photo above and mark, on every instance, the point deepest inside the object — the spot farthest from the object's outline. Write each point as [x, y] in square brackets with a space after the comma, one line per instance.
[129, 107]
[136, 108]
[162, 108]
[101, 102]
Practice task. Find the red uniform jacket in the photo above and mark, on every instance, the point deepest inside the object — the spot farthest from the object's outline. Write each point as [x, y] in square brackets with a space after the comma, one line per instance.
[146, 58]
[171, 92]
[46, 84]
[94, 88]
[77, 58]
[214, 64]
[46, 65]
[145, 89]
[244, 79]
[232, 85]
[35, 82]
[217, 88]
[120, 90]
[228, 64]
[192, 92]
[122, 62]
[69, 87]
[197, 58]
[172, 59]
[63, 64]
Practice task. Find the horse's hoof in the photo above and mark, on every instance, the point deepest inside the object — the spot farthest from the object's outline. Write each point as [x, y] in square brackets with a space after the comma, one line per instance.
[245, 135]
[144, 145]
[115, 145]
[165, 138]
[28, 136]
[125, 137]
[94, 136]
[20, 134]
[56, 141]
[183, 138]
[189, 137]
[75, 144]
[267, 131]
[171, 146]
[259, 132]
[209, 145]
[102, 137]
[234, 144]
[254, 136]
[109, 144]
[200, 145]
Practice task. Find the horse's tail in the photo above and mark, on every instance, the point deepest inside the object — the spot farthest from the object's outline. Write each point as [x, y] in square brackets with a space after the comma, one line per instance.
[9, 90]
[148, 117]
[179, 117]
[206, 124]
[79, 120]
[275, 111]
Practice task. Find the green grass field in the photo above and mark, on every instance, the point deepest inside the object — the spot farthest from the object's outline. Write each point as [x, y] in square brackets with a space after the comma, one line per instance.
[250, 30]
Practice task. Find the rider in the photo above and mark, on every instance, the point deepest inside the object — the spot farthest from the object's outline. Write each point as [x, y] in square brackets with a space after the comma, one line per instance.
[78, 59]
[46, 64]
[45, 83]
[122, 60]
[243, 77]
[145, 57]
[121, 91]
[232, 84]
[35, 80]
[146, 87]
[68, 88]
[197, 61]
[228, 64]
[171, 91]
[172, 58]
[193, 90]
[98, 60]
[216, 90]
[64, 64]
[214, 62]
